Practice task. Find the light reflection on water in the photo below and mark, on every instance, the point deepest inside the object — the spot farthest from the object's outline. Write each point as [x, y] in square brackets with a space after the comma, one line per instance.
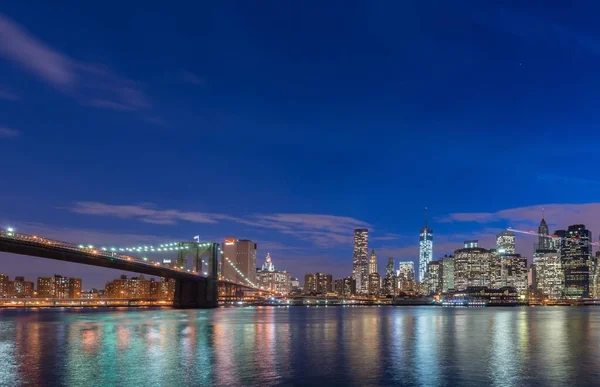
[302, 346]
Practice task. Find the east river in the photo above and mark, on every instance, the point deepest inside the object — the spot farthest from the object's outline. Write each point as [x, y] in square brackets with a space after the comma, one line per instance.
[343, 346]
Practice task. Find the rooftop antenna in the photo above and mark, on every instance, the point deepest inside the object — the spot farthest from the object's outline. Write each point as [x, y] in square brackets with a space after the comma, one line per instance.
[542, 212]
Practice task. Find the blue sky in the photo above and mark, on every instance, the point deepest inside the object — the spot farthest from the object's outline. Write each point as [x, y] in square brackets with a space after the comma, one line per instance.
[291, 123]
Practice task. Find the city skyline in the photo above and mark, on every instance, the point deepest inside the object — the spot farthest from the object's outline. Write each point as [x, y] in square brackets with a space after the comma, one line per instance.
[270, 146]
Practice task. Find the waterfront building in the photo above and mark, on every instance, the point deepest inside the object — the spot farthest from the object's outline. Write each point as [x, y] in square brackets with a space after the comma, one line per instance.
[505, 242]
[318, 283]
[514, 272]
[58, 287]
[295, 284]
[45, 287]
[425, 248]
[240, 254]
[433, 277]
[359, 259]
[447, 273]
[4, 284]
[134, 287]
[19, 288]
[549, 275]
[406, 275]
[476, 266]
[576, 261]
[269, 278]
[345, 287]
[389, 283]
[374, 284]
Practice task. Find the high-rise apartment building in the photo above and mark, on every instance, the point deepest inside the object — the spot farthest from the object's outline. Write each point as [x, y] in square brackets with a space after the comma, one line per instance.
[45, 287]
[4, 283]
[434, 277]
[576, 257]
[360, 267]
[505, 242]
[318, 283]
[229, 259]
[20, 288]
[425, 248]
[134, 287]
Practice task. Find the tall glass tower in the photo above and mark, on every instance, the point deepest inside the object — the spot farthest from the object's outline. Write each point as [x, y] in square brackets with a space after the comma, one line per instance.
[425, 248]
[360, 263]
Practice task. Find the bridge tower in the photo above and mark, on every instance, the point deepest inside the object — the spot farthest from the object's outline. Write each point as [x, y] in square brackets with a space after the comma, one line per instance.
[201, 293]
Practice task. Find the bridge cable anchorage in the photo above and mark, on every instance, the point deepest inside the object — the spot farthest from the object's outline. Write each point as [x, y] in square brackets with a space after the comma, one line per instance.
[91, 250]
[554, 236]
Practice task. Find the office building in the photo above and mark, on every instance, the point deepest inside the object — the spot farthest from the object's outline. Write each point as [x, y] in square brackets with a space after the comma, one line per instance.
[544, 241]
[433, 278]
[476, 266]
[389, 283]
[345, 287]
[406, 276]
[505, 242]
[238, 262]
[318, 283]
[425, 248]
[360, 268]
[514, 272]
[549, 275]
[373, 263]
[447, 273]
[269, 278]
[576, 257]
[374, 284]
[295, 284]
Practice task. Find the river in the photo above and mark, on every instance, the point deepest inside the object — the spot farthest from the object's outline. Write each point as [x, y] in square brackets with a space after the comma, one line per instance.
[342, 346]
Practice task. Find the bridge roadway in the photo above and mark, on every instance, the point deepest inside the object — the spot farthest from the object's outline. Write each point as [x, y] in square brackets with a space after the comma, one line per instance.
[192, 289]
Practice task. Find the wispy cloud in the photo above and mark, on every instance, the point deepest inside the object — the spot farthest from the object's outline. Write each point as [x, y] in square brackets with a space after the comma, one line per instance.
[8, 95]
[90, 83]
[8, 132]
[322, 230]
[192, 78]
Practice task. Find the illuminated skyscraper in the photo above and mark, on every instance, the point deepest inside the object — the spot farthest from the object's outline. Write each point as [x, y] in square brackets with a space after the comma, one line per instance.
[544, 241]
[425, 248]
[505, 242]
[360, 267]
[550, 276]
[389, 282]
[373, 262]
[576, 257]
[240, 254]
[406, 275]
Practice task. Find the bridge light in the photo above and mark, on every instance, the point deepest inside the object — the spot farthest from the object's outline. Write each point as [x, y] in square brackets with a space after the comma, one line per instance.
[90, 247]
[104, 249]
[205, 273]
[145, 259]
[10, 229]
[81, 246]
[112, 249]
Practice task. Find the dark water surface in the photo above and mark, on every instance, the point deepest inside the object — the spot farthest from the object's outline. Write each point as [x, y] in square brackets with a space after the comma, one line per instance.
[362, 346]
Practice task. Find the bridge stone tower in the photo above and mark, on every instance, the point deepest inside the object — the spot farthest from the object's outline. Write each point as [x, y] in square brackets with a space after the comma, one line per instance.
[201, 292]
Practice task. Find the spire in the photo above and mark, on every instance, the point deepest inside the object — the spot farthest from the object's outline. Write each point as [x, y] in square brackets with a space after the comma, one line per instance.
[425, 216]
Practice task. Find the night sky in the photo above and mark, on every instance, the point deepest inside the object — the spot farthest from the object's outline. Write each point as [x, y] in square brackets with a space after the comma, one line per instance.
[291, 123]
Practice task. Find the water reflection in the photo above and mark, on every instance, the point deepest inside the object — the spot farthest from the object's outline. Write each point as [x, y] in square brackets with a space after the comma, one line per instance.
[304, 346]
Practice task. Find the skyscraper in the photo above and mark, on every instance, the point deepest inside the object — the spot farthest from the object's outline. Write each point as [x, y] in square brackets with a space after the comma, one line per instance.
[373, 262]
[406, 275]
[360, 267]
[576, 257]
[505, 242]
[544, 241]
[240, 254]
[268, 265]
[389, 282]
[425, 248]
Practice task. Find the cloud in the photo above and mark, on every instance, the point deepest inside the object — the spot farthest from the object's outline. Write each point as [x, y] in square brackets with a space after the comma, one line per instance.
[8, 132]
[8, 95]
[322, 230]
[192, 78]
[91, 84]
